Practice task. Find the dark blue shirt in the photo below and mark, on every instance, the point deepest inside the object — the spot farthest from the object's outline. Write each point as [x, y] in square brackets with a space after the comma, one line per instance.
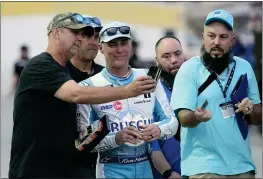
[169, 147]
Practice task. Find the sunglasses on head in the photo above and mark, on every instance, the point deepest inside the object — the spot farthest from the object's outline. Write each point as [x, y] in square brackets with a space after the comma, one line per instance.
[113, 30]
[89, 31]
[75, 17]
[95, 20]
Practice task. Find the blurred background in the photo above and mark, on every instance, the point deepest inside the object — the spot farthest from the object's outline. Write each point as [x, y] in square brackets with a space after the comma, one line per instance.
[23, 24]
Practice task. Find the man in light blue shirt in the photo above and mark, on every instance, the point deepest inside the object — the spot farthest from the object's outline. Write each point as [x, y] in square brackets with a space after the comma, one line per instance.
[212, 144]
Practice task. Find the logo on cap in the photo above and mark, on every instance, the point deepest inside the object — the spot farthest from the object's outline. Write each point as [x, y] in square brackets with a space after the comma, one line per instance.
[220, 13]
[217, 12]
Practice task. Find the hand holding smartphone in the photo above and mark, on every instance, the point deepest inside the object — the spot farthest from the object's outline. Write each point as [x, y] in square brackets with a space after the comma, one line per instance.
[201, 114]
[204, 105]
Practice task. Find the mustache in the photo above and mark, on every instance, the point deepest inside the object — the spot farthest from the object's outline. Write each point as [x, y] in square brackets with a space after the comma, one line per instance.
[203, 50]
[216, 49]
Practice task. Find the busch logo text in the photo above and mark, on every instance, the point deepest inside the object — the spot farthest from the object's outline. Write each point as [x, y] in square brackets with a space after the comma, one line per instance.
[118, 126]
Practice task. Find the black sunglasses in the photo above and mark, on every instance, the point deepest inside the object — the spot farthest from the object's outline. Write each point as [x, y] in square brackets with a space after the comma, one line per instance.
[113, 30]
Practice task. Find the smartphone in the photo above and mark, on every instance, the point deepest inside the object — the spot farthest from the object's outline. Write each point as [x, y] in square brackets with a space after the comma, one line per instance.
[155, 72]
[204, 105]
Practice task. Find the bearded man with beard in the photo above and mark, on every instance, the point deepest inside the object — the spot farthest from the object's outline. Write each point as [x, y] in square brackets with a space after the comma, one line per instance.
[212, 144]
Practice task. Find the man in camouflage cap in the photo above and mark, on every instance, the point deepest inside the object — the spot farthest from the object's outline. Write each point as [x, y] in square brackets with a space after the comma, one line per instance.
[44, 115]
[67, 30]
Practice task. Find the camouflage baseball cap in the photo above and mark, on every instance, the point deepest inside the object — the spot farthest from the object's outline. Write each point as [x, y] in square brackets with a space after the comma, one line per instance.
[67, 19]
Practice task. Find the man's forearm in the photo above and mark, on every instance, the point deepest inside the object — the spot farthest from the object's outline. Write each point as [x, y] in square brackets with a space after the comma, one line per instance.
[99, 95]
[160, 162]
[255, 118]
[187, 118]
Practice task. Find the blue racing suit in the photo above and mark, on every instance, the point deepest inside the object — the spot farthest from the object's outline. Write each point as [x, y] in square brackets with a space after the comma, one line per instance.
[126, 160]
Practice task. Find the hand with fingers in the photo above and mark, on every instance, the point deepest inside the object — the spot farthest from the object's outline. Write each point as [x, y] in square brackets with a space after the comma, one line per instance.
[150, 132]
[128, 134]
[246, 106]
[141, 85]
[202, 115]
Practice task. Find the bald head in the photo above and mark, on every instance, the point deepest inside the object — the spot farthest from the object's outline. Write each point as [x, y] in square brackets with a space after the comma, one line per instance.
[163, 38]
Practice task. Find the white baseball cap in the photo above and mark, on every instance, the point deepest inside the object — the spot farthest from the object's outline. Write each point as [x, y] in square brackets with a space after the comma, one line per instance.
[117, 30]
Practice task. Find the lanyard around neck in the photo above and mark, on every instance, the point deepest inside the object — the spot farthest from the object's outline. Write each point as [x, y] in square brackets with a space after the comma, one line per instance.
[228, 81]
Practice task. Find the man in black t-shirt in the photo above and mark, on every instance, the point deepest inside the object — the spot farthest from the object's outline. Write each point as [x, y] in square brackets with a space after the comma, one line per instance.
[19, 65]
[45, 128]
[82, 66]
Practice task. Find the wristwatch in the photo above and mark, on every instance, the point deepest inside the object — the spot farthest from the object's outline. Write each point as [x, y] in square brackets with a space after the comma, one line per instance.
[167, 173]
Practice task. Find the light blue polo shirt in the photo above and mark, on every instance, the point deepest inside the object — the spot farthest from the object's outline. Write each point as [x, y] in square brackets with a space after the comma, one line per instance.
[216, 146]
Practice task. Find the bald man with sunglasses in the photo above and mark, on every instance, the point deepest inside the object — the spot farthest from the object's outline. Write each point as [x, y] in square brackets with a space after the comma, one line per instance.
[45, 127]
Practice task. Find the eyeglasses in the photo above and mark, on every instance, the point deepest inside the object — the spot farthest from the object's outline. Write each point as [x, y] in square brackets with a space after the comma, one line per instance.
[113, 30]
[95, 20]
[75, 17]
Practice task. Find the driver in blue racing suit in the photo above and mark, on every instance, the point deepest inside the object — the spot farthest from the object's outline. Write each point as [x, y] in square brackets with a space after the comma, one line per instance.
[123, 152]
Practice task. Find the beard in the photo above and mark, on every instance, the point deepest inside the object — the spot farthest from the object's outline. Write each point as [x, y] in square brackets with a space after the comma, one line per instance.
[216, 64]
[168, 78]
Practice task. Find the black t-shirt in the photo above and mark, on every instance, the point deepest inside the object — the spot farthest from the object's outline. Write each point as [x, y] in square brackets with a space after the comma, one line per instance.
[78, 75]
[19, 66]
[44, 128]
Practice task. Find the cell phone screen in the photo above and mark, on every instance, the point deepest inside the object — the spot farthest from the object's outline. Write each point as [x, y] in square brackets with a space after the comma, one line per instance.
[154, 72]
